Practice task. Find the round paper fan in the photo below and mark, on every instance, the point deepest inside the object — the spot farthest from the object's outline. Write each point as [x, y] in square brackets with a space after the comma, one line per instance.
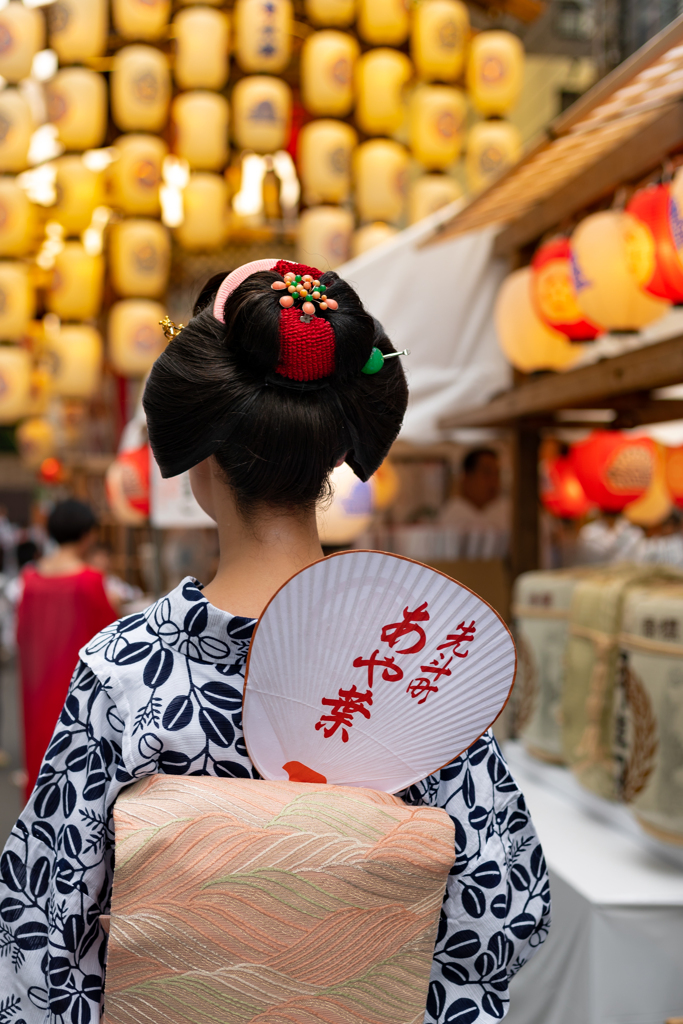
[370, 669]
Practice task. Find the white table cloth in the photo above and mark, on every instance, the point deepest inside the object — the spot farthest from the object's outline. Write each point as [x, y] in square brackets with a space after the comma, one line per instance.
[615, 950]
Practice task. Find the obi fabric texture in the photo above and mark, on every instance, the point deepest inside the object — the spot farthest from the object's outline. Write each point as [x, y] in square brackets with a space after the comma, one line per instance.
[160, 692]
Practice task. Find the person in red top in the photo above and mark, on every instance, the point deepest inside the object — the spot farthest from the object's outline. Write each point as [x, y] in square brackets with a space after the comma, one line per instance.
[62, 606]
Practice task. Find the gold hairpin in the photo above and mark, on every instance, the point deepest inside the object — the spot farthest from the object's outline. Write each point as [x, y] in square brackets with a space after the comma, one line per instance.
[170, 329]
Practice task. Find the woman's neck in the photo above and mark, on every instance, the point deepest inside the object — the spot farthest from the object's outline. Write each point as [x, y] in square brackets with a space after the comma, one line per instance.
[259, 556]
[67, 560]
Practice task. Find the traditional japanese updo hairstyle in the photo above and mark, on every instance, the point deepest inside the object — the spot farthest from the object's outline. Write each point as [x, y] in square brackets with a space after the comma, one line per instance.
[274, 391]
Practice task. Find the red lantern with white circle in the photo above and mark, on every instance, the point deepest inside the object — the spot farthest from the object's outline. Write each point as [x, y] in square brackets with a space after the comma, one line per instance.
[554, 292]
[652, 248]
[127, 486]
[613, 469]
[561, 491]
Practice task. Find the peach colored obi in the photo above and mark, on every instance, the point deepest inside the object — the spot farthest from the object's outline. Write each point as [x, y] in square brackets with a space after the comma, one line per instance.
[238, 900]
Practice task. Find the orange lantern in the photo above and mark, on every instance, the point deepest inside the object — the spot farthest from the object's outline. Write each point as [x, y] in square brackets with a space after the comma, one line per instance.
[140, 89]
[613, 469]
[17, 124]
[205, 205]
[18, 219]
[17, 300]
[127, 486]
[651, 242]
[554, 292]
[78, 29]
[330, 13]
[381, 76]
[77, 282]
[561, 491]
[22, 34]
[655, 505]
[201, 120]
[262, 107]
[52, 471]
[439, 39]
[380, 171]
[327, 63]
[135, 175]
[495, 70]
[674, 473]
[386, 485]
[135, 338]
[492, 147]
[383, 22]
[324, 236]
[438, 114]
[15, 383]
[324, 157]
[263, 34]
[77, 105]
[76, 357]
[79, 191]
[141, 19]
[202, 48]
[140, 258]
[526, 341]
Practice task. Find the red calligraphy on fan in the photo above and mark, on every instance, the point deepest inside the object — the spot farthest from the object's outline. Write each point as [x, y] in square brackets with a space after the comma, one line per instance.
[424, 684]
[342, 709]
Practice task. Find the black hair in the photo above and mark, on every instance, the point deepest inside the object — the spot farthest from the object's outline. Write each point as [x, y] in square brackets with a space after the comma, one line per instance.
[27, 552]
[70, 520]
[471, 461]
[214, 391]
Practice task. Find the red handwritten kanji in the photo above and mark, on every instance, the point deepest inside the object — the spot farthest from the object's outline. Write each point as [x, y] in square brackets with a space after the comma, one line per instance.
[464, 635]
[418, 687]
[393, 632]
[392, 673]
[343, 707]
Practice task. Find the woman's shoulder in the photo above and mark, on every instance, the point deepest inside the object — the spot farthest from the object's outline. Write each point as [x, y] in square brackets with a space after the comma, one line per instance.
[145, 648]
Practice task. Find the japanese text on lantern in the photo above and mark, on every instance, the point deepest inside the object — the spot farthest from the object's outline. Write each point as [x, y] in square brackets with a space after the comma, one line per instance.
[405, 637]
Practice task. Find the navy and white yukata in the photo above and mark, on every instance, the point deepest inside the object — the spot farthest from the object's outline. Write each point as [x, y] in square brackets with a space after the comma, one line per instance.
[161, 691]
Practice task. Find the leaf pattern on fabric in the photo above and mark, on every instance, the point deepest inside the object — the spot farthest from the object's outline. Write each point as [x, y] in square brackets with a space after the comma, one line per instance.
[161, 692]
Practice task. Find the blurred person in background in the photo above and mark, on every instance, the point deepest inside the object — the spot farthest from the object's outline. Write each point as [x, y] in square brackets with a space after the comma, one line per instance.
[62, 604]
[120, 593]
[479, 504]
[610, 538]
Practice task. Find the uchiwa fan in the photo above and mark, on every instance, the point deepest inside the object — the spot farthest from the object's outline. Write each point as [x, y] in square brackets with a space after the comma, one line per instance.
[369, 669]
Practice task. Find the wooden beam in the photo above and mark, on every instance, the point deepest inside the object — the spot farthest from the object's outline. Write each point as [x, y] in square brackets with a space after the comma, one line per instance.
[524, 10]
[634, 158]
[524, 549]
[654, 366]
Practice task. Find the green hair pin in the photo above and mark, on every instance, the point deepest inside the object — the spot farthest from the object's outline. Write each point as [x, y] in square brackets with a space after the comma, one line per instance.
[377, 358]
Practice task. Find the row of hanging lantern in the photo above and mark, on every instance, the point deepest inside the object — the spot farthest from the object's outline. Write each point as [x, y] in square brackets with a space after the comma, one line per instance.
[616, 473]
[336, 80]
[620, 271]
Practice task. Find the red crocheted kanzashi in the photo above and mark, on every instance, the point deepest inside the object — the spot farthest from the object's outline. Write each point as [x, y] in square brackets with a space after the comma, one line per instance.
[285, 267]
[306, 350]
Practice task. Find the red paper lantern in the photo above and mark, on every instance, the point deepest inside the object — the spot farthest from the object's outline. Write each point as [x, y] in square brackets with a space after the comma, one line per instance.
[651, 248]
[554, 292]
[561, 491]
[127, 486]
[613, 469]
[51, 471]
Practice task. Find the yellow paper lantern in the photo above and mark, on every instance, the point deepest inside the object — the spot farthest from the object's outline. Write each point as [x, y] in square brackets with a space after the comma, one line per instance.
[76, 361]
[140, 258]
[202, 38]
[324, 236]
[17, 300]
[263, 34]
[381, 76]
[135, 175]
[17, 126]
[607, 290]
[15, 383]
[330, 13]
[492, 147]
[76, 292]
[77, 105]
[201, 122]
[135, 338]
[656, 504]
[380, 171]
[22, 34]
[141, 19]
[18, 219]
[438, 114]
[430, 193]
[140, 89]
[495, 70]
[386, 484]
[78, 29]
[439, 39]
[325, 149]
[79, 191]
[522, 335]
[370, 235]
[261, 110]
[327, 63]
[36, 441]
[383, 22]
[205, 204]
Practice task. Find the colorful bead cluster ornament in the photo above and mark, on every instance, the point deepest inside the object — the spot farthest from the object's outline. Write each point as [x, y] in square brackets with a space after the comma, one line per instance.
[306, 289]
[378, 358]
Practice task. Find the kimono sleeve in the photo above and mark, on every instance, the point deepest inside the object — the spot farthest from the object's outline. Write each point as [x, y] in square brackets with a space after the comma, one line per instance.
[57, 866]
[496, 910]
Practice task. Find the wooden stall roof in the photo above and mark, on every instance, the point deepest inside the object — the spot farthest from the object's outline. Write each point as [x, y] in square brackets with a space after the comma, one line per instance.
[623, 127]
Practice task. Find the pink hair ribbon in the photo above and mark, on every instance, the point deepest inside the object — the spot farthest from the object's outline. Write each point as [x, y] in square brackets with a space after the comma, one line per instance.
[235, 279]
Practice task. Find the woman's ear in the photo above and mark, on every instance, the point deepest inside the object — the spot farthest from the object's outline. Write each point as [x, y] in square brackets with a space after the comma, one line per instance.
[202, 483]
